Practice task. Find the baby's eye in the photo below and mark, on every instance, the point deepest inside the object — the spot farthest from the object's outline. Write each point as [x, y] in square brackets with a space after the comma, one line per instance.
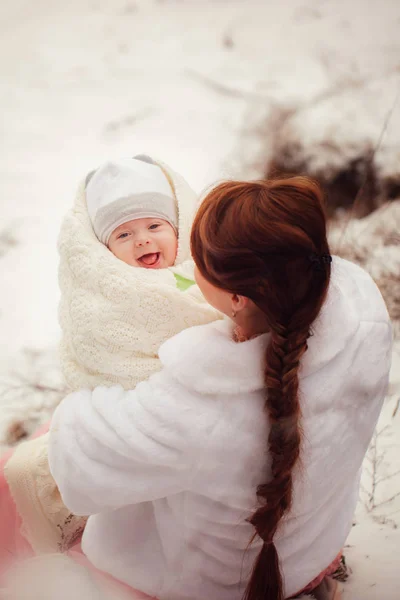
[154, 226]
[122, 235]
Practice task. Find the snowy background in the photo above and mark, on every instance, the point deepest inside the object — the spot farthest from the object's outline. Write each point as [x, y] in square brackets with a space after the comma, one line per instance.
[216, 89]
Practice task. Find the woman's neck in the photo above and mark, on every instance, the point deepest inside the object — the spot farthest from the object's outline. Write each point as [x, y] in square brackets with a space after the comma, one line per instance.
[250, 326]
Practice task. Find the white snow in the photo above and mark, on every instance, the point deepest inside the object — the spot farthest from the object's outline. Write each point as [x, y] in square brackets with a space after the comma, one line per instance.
[202, 85]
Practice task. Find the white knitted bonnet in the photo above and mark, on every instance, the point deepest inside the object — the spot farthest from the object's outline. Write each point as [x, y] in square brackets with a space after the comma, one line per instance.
[126, 189]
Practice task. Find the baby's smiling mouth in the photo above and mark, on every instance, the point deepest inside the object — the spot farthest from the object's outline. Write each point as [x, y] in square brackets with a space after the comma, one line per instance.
[149, 260]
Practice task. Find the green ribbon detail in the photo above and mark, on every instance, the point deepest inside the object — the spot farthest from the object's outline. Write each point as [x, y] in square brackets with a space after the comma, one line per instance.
[182, 283]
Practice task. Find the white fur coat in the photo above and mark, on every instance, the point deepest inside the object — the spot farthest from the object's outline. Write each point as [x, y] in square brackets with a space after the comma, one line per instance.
[168, 472]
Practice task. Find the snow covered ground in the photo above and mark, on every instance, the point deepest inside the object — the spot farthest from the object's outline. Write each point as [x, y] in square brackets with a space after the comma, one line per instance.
[202, 85]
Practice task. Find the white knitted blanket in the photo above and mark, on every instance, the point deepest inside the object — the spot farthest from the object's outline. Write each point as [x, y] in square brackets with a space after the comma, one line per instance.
[114, 318]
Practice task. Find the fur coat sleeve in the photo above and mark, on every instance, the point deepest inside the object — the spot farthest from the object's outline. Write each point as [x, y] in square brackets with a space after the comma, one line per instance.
[111, 448]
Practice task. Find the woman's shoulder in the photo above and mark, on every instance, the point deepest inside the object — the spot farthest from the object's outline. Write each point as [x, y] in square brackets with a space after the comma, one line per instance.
[353, 312]
[207, 360]
[355, 289]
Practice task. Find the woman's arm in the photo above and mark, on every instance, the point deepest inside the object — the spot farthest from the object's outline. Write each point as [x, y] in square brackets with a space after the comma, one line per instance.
[109, 448]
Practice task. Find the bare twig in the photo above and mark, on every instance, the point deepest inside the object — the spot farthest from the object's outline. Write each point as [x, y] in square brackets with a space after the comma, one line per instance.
[387, 477]
[223, 89]
[396, 408]
[31, 387]
[29, 393]
[375, 459]
[387, 500]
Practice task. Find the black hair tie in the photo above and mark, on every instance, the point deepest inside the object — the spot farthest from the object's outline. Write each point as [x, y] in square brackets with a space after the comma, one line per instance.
[319, 261]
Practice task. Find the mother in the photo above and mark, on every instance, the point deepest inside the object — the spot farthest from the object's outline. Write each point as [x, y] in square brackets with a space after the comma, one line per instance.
[256, 427]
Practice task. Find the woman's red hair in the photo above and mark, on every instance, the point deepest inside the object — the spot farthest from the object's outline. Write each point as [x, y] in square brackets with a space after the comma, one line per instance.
[262, 240]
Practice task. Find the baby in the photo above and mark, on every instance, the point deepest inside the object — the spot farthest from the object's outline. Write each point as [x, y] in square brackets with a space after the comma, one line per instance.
[134, 212]
[127, 285]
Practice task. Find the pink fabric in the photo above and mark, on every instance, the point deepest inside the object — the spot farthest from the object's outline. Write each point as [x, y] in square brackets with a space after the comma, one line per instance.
[12, 542]
[329, 571]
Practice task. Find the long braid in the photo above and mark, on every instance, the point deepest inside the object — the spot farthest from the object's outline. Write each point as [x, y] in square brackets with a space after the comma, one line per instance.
[283, 355]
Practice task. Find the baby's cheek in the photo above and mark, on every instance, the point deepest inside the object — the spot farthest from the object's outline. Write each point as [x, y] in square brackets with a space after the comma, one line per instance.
[172, 251]
[119, 253]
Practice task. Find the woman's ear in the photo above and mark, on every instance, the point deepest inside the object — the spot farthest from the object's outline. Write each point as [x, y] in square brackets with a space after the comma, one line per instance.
[239, 303]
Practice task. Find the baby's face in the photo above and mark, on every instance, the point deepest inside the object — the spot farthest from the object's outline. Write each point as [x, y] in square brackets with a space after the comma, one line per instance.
[150, 243]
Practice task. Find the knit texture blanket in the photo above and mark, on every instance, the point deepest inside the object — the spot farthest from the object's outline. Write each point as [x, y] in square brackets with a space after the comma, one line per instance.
[113, 317]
